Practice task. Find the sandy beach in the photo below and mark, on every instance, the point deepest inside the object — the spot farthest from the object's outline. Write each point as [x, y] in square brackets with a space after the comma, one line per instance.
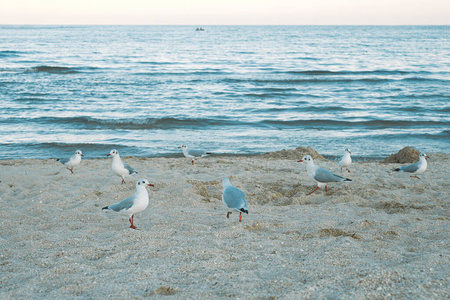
[384, 235]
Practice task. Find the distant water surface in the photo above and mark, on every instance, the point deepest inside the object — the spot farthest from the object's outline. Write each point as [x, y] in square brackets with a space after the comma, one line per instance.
[145, 90]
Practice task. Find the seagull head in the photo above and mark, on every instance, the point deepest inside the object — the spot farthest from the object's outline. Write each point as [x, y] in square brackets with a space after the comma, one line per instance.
[424, 155]
[348, 150]
[143, 182]
[113, 153]
[306, 158]
[78, 152]
[182, 147]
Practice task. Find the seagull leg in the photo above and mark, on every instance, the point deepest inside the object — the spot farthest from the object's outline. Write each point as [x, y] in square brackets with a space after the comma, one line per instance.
[131, 222]
[228, 214]
[414, 176]
[123, 180]
[326, 189]
[240, 216]
[314, 190]
[192, 161]
[71, 170]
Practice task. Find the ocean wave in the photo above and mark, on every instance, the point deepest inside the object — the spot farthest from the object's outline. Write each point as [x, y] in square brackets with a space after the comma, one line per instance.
[127, 123]
[157, 63]
[91, 123]
[421, 96]
[267, 95]
[304, 80]
[47, 150]
[10, 53]
[422, 109]
[309, 80]
[59, 70]
[183, 73]
[368, 72]
[372, 124]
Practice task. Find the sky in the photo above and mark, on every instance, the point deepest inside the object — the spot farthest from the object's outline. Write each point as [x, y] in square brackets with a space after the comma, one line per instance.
[226, 12]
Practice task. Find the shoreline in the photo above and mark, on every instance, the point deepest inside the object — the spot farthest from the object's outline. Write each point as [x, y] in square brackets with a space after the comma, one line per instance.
[355, 158]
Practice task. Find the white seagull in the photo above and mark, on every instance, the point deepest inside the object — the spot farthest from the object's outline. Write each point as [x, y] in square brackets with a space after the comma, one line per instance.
[346, 160]
[136, 203]
[120, 168]
[72, 161]
[321, 175]
[417, 168]
[233, 198]
[192, 154]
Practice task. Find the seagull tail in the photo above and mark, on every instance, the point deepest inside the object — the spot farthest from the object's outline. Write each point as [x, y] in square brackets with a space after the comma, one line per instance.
[348, 179]
[244, 210]
[209, 153]
[106, 207]
[398, 169]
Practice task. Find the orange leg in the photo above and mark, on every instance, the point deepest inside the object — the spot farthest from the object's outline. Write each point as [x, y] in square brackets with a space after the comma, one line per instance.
[326, 189]
[192, 161]
[314, 190]
[240, 216]
[414, 176]
[131, 222]
[71, 170]
[123, 181]
[228, 214]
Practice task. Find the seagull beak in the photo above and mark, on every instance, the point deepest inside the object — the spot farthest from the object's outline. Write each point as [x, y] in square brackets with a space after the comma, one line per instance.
[427, 156]
[108, 154]
[150, 184]
[179, 147]
[300, 160]
[81, 154]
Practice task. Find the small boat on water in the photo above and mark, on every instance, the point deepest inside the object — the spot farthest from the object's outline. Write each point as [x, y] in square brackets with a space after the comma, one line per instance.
[199, 29]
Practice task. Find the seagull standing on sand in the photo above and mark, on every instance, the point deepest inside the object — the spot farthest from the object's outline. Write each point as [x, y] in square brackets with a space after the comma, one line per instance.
[136, 203]
[72, 161]
[234, 198]
[346, 160]
[120, 168]
[417, 168]
[192, 154]
[321, 175]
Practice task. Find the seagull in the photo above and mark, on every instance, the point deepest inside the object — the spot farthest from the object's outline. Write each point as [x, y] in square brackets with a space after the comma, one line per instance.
[321, 175]
[417, 168]
[346, 160]
[136, 203]
[72, 161]
[120, 168]
[234, 198]
[193, 153]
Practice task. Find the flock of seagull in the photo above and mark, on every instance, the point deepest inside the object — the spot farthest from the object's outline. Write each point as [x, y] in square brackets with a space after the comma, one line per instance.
[232, 197]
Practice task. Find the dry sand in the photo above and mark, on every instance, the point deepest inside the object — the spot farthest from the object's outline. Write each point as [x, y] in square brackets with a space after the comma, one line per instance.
[385, 235]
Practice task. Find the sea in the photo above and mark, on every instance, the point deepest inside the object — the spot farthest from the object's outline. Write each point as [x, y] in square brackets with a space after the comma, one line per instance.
[230, 90]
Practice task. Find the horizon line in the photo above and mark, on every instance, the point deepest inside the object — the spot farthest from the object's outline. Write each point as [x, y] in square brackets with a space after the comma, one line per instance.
[111, 24]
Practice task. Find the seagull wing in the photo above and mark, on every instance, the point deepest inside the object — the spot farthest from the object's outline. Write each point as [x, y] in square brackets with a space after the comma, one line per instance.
[411, 168]
[64, 160]
[234, 198]
[323, 175]
[196, 152]
[123, 205]
[130, 169]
